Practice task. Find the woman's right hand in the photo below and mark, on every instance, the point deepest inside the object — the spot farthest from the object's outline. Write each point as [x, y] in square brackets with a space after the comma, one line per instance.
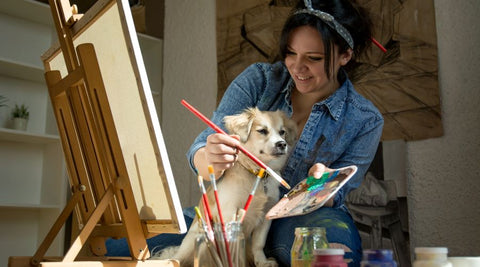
[220, 151]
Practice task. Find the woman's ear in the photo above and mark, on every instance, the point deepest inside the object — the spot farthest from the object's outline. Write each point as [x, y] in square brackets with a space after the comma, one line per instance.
[346, 57]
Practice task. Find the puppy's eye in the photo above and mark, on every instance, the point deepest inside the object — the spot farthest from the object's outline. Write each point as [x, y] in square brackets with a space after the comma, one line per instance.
[263, 131]
[282, 132]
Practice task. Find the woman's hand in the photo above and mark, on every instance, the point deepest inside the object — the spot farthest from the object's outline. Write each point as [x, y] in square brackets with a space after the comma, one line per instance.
[220, 151]
[317, 171]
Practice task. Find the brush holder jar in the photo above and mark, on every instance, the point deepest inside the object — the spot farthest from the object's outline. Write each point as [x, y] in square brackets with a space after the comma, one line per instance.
[211, 248]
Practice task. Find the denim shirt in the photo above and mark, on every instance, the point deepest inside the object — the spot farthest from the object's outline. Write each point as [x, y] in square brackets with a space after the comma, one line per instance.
[342, 130]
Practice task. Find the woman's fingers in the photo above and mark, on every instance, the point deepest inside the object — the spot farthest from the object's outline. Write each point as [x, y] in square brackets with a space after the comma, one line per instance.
[317, 170]
[221, 150]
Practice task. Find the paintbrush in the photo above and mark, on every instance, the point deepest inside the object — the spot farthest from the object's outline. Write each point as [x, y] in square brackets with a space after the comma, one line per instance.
[252, 193]
[208, 242]
[211, 173]
[239, 147]
[209, 212]
[206, 205]
[215, 192]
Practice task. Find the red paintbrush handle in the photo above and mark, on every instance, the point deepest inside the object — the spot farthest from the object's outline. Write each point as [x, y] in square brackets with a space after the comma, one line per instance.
[202, 117]
[207, 207]
[218, 207]
[249, 200]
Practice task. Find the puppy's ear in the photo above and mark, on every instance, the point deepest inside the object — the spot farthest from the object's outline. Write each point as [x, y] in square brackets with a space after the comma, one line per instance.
[241, 124]
[291, 129]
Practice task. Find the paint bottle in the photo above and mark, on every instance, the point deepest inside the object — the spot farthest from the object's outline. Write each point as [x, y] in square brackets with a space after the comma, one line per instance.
[378, 258]
[307, 240]
[329, 257]
[431, 257]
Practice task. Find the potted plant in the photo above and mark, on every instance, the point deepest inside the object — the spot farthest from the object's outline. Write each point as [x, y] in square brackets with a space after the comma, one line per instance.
[20, 116]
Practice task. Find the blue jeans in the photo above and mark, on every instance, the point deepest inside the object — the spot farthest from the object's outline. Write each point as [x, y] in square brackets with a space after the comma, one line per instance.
[339, 226]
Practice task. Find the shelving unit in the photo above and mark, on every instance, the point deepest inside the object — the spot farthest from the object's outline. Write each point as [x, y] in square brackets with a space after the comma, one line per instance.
[33, 175]
[33, 178]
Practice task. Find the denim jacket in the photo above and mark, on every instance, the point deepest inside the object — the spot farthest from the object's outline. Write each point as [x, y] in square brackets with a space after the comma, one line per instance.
[342, 130]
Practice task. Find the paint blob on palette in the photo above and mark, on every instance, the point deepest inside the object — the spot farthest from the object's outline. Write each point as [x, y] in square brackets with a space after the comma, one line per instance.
[311, 193]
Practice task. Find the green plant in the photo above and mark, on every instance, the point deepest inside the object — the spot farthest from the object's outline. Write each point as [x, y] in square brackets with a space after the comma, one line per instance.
[20, 112]
[3, 100]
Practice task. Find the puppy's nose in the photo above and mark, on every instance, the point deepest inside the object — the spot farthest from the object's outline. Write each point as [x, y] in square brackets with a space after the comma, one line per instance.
[281, 145]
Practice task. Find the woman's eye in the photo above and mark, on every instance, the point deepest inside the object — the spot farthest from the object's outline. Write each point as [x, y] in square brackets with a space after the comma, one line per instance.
[263, 131]
[316, 58]
[290, 53]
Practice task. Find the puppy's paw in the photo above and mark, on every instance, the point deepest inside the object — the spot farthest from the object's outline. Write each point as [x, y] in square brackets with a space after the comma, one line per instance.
[166, 253]
[270, 262]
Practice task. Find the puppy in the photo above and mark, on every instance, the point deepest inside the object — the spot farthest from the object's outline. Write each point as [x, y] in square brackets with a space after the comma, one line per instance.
[269, 135]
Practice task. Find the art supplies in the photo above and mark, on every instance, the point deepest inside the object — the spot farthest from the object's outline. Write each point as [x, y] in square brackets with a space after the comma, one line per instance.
[431, 257]
[241, 148]
[219, 210]
[329, 257]
[311, 193]
[307, 239]
[378, 258]
[260, 174]
[206, 238]
[206, 205]
[207, 255]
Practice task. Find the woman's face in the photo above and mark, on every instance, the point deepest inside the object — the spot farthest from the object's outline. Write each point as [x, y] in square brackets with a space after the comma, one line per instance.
[305, 60]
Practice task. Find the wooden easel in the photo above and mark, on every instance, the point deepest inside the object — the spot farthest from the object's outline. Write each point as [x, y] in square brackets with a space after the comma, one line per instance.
[102, 194]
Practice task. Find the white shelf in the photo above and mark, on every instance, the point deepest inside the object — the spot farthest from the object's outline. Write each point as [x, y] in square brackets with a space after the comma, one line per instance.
[21, 70]
[27, 206]
[26, 137]
[33, 175]
[28, 10]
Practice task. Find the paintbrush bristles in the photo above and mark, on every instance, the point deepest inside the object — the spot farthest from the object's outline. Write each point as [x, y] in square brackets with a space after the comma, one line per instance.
[278, 178]
[212, 177]
[200, 184]
[210, 169]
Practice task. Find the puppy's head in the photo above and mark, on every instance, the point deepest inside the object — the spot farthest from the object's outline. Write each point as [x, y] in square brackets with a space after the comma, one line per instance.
[267, 134]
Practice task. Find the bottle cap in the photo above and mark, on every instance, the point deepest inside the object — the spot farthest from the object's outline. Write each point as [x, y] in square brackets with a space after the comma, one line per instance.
[377, 255]
[431, 250]
[329, 251]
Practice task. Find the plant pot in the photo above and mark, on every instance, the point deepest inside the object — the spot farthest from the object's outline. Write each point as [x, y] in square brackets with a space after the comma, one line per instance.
[20, 124]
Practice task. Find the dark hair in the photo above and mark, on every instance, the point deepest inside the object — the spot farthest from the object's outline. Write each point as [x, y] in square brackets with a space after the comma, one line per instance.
[354, 18]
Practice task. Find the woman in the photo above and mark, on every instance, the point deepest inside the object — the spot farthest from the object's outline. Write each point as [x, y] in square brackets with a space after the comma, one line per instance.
[338, 126]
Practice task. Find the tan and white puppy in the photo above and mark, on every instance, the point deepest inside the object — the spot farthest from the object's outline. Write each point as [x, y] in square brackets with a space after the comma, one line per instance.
[269, 135]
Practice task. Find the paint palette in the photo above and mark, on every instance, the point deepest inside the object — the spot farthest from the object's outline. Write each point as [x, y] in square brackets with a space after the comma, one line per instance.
[311, 193]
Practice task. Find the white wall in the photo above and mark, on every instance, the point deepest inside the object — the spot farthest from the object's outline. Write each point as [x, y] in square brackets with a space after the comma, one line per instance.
[444, 207]
[190, 73]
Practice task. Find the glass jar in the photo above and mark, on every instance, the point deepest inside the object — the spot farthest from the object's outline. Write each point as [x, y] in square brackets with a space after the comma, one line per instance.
[236, 242]
[431, 257]
[212, 253]
[378, 258]
[307, 240]
[329, 257]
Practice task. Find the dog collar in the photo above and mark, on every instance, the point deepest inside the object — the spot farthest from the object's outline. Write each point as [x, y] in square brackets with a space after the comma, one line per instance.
[255, 172]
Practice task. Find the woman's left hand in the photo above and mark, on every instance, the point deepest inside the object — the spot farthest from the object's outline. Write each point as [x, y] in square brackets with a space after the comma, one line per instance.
[317, 171]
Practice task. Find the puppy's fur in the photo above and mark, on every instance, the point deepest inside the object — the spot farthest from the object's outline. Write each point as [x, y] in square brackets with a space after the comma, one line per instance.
[269, 135]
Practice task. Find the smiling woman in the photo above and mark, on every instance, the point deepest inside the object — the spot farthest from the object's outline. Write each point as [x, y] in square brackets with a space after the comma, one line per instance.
[410, 106]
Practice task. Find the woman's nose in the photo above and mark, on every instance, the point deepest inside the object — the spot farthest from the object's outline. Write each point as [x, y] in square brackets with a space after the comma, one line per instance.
[299, 64]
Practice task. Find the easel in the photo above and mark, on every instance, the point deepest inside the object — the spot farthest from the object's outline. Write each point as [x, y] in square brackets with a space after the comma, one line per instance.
[102, 193]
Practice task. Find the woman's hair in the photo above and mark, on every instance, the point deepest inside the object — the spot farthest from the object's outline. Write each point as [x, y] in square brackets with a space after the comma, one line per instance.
[350, 15]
